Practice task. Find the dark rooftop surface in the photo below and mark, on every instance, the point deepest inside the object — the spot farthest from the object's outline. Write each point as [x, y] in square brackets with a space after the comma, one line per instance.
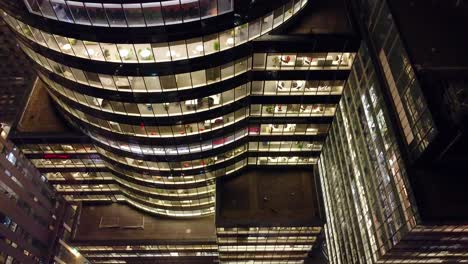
[322, 17]
[268, 197]
[154, 229]
[40, 115]
[434, 35]
[434, 31]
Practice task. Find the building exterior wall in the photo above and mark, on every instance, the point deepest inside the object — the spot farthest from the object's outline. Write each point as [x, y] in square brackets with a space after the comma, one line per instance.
[408, 100]
[266, 244]
[34, 221]
[365, 171]
[178, 104]
[367, 196]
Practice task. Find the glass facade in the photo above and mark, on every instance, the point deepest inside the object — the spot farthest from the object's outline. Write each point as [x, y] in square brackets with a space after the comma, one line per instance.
[146, 14]
[116, 253]
[155, 52]
[265, 244]
[158, 139]
[415, 119]
[368, 199]
[31, 213]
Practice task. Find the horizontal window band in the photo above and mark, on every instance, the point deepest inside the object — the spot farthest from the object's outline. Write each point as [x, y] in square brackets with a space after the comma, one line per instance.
[159, 33]
[158, 120]
[311, 153]
[197, 92]
[210, 153]
[217, 112]
[175, 173]
[271, 44]
[91, 192]
[89, 181]
[164, 141]
[195, 196]
[182, 140]
[71, 169]
[128, 179]
[148, 97]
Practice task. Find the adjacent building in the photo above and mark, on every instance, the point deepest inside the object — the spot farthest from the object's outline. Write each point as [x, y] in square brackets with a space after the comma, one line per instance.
[35, 223]
[392, 168]
[235, 131]
[146, 104]
[277, 219]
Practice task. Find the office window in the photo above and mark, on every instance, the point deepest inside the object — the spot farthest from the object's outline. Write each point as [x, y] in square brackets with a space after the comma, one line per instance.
[134, 15]
[61, 10]
[153, 13]
[191, 10]
[115, 15]
[172, 12]
[208, 8]
[96, 14]
[79, 12]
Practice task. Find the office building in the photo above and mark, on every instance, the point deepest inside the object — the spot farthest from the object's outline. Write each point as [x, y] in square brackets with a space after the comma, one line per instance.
[168, 112]
[148, 104]
[212, 131]
[35, 223]
[276, 220]
[391, 168]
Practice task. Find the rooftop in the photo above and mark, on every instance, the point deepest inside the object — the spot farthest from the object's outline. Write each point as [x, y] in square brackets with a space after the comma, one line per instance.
[268, 197]
[121, 224]
[322, 17]
[433, 31]
[40, 115]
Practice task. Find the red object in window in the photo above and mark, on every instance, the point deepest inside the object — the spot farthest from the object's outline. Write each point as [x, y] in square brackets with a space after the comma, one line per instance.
[142, 125]
[56, 156]
[286, 59]
[218, 141]
[254, 129]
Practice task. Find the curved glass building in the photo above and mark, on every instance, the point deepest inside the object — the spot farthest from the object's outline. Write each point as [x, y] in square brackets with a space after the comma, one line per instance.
[174, 94]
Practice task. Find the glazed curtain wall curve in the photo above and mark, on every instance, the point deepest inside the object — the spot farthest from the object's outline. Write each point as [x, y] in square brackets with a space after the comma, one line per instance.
[146, 14]
[157, 52]
[165, 155]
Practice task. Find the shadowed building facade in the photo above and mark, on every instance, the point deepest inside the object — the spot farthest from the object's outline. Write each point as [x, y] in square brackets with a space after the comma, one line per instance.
[393, 166]
[35, 222]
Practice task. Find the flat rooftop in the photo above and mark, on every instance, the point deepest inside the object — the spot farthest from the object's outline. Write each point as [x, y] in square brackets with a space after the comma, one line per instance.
[321, 17]
[126, 225]
[268, 197]
[40, 115]
[434, 32]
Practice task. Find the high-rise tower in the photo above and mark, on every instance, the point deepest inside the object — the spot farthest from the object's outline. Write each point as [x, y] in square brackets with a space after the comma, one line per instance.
[393, 166]
[173, 94]
[159, 99]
